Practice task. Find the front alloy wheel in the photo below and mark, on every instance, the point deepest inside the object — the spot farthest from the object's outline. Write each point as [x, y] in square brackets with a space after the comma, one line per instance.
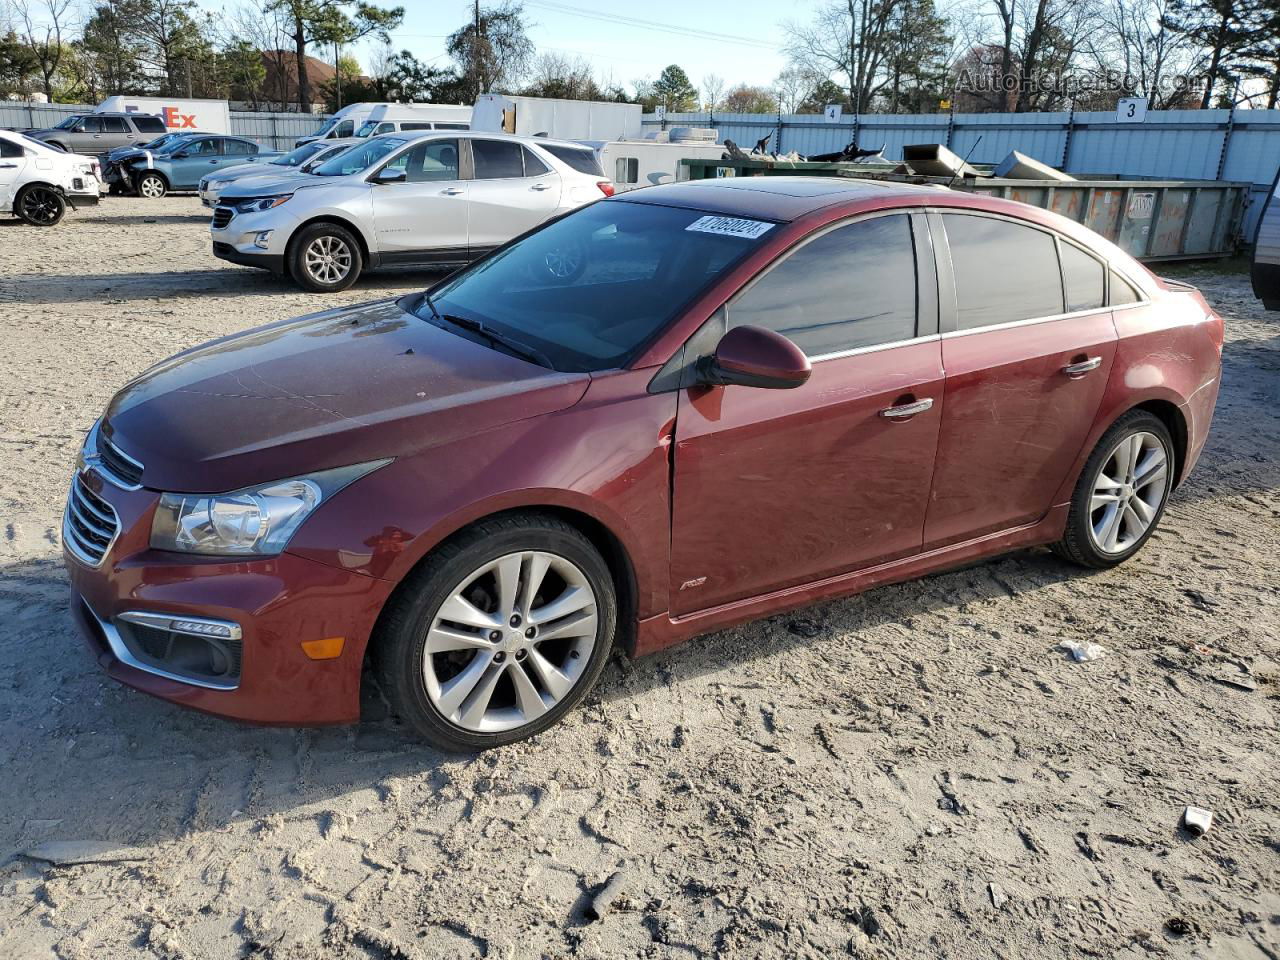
[152, 186]
[498, 633]
[511, 641]
[41, 206]
[327, 260]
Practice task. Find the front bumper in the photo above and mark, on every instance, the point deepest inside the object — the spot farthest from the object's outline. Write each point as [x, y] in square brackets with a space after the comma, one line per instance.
[235, 240]
[275, 602]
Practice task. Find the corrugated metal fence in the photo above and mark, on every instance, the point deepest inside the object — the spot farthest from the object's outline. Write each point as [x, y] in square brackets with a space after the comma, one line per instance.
[275, 130]
[1241, 145]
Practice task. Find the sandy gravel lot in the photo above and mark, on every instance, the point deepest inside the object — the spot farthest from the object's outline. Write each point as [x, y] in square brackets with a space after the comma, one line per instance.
[915, 772]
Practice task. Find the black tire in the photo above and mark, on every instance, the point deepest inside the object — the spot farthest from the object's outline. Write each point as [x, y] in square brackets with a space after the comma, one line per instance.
[1078, 544]
[331, 233]
[40, 205]
[151, 185]
[400, 638]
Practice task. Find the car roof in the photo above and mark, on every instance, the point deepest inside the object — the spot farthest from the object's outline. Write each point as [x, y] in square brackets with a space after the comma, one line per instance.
[772, 198]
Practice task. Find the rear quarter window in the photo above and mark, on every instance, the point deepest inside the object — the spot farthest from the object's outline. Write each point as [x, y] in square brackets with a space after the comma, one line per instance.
[579, 158]
[148, 124]
[1122, 291]
[1083, 278]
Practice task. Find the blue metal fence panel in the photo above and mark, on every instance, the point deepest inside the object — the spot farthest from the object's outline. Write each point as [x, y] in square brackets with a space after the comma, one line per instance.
[22, 116]
[276, 130]
[1169, 144]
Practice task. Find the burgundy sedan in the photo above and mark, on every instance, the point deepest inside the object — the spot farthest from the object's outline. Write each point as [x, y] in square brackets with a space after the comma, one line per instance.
[658, 416]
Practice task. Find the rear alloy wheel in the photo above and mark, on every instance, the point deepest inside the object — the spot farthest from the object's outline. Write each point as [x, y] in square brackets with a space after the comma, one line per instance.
[325, 258]
[152, 186]
[499, 635]
[1121, 494]
[40, 206]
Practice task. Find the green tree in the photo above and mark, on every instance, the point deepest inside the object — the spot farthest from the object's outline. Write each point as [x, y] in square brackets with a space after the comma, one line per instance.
[243, 72]
[916, 63]
[109, 53]
[19, 67]
[493, 52]
[329, 22]
[825, 92]
[674, 91]
[1225, 28]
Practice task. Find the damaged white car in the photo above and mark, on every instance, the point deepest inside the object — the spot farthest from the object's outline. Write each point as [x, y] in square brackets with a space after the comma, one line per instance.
[38, 182]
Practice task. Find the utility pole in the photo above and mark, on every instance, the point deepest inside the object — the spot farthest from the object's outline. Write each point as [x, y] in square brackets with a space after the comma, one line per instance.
[337, 70]
[476, 52]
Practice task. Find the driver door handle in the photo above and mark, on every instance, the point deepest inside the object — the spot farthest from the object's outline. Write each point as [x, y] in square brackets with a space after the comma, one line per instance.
[453, 191]
[905, 410]
[1083, 367]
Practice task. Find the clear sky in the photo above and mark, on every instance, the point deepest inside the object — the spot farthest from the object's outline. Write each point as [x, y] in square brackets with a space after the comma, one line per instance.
[738, 40]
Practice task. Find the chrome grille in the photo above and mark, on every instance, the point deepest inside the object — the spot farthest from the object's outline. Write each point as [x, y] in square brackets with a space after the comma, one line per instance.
[118, 465]
[222, 216]
[90, 525]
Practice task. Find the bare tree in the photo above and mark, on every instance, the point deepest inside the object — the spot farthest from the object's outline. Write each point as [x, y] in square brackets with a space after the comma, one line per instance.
[794, 85]
[850, 38]
[712, 90]
[44, 34]
[1137, 44]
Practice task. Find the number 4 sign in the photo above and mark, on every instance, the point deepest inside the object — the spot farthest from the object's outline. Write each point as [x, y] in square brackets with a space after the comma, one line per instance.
[1131, 110]
[833, 112]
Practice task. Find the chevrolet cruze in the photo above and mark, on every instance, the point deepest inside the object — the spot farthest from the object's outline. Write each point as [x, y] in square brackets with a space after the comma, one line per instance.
[748, 395]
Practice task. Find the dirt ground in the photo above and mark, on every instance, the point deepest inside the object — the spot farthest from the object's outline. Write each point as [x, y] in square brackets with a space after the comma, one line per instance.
[914, 772]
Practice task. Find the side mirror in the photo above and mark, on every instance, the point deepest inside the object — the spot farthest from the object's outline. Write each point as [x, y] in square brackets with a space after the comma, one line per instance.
[755, 357]
[390, 176]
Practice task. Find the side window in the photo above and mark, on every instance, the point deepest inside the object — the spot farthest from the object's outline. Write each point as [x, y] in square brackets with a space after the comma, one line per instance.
[114, 125]
[239, 148]
[149, 124]
[1122, 291]
[10, 149]
[91, 125]
[533, 166]
[386, 128]
[497, 159]
[852, 287]
[1083, 277]
[1003, 271]
[428, 162]
[453, 126]
[345, 129]
[412, 125]
[626, 170]
[201, 148]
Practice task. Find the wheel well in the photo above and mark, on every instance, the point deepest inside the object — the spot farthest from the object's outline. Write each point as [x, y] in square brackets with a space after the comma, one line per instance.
[1168, 414]
[601, 537]
[145, 172]
[338, 222]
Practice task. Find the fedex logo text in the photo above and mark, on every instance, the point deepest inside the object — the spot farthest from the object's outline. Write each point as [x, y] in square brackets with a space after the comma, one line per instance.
[177, 121]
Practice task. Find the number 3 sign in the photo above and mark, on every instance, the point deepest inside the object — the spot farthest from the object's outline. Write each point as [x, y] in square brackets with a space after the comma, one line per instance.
[1131, 110]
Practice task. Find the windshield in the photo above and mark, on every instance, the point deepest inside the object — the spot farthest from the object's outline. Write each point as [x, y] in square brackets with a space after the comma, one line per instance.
[299, 155]
[68, 122]
[589, 290]
[358, 158]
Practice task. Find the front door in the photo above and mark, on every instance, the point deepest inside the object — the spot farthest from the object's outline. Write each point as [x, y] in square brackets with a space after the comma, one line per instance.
[199, 157]
[422, 218]
[512, 191]
[774, 488]
[1027, 364]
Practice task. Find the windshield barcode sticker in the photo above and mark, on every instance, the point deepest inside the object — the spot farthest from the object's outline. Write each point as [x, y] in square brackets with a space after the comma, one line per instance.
[731, 227]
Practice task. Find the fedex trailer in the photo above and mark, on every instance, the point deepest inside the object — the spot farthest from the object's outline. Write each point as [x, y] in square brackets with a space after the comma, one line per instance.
[558, 119]
[207, 116]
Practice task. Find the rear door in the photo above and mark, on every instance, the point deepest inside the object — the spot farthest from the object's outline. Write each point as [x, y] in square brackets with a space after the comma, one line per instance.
[512, 191]
[1027, 360]
[774, 488]
[116, 132]
[423, 218]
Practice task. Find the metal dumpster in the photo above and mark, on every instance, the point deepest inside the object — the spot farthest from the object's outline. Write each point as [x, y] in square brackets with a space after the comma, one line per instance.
[1150, 219]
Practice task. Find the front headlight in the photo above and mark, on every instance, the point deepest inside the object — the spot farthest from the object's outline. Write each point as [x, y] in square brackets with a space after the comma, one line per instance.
[261, 203]
[256, 520]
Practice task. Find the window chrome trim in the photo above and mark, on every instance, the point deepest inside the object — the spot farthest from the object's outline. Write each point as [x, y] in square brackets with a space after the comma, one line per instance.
[166, 621]
[121, 652]
[1030, 321]
[873, 348]
[89, 459]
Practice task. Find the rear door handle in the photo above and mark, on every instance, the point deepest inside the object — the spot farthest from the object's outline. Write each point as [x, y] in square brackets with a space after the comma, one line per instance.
[1083, 367]
[541, 186]
[905, 410]
[453, 191]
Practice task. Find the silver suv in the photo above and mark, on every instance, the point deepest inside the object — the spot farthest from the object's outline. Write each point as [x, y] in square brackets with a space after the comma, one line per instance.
[432, 199]
[97, 133]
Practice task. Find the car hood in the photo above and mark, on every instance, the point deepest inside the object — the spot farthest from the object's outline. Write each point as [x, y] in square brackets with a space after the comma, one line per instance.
[267, 185]
[326, 390]
[251, 170]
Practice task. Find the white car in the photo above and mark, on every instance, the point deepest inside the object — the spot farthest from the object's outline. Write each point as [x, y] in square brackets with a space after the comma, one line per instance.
[37, 181]
[301, 159]
[435, 199]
